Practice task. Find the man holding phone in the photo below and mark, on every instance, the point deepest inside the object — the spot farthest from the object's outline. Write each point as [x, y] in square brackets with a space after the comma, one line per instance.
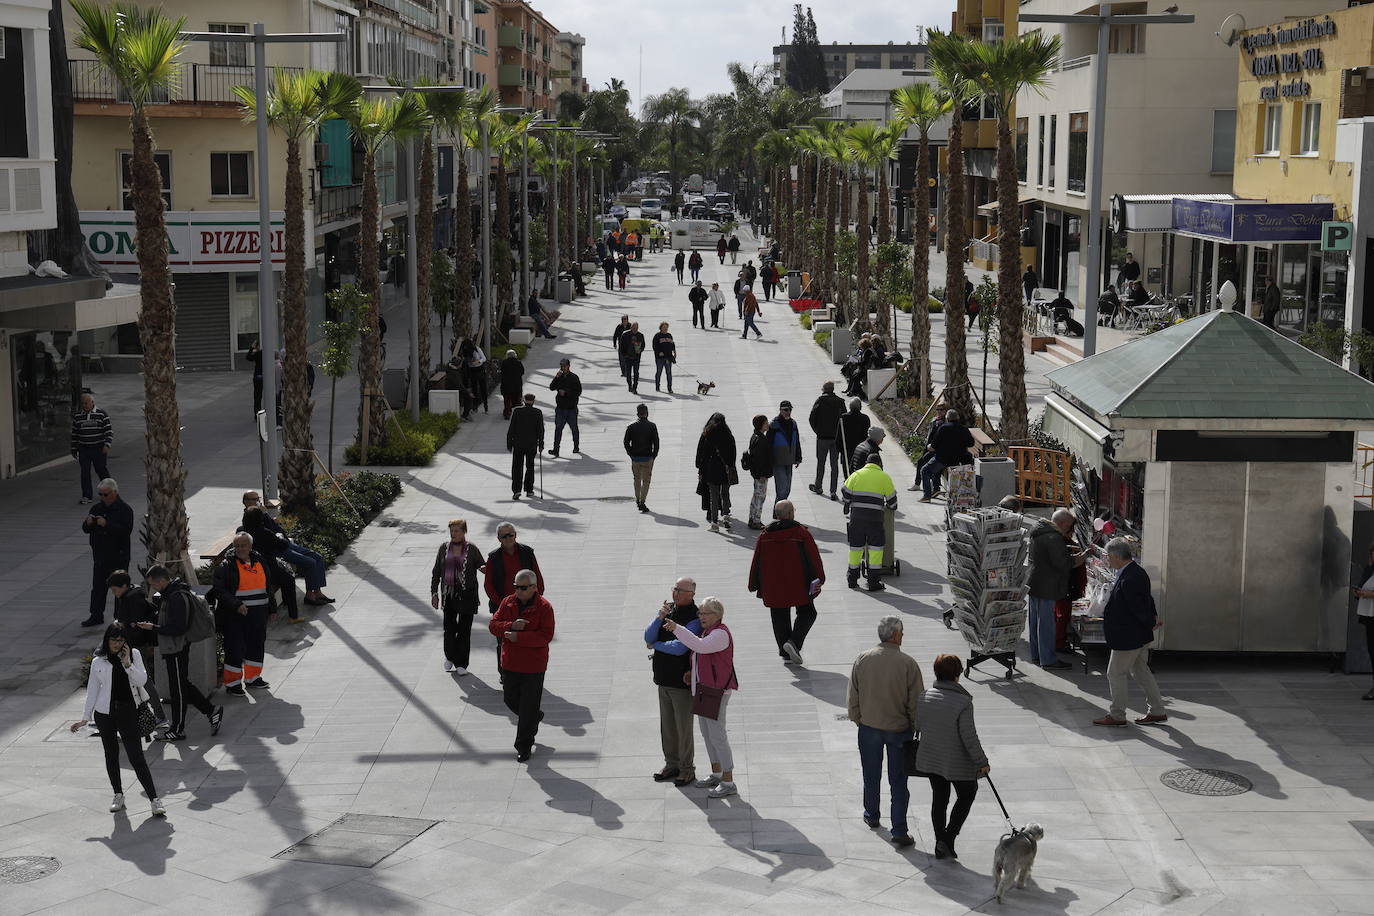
[671, 661]
[786, 572]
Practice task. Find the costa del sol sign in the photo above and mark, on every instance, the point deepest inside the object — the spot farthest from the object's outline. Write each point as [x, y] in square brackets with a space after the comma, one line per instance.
[197, 241]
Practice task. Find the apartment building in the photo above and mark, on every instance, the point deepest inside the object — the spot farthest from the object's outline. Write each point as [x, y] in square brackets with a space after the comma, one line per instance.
[842, 60]
[981, 20]
[567, 74]
[482, 71]
[525, 47]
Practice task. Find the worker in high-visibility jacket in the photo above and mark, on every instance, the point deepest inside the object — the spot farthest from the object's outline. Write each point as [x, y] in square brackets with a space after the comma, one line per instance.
[867, 494]
[241, 587]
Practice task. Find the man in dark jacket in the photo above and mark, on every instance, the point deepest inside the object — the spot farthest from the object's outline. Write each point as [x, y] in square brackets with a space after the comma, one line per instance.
[641, 444]
[871, 449]
[569, 388]
[524, 439]
[173, 620]
[852, 429]
[1050, 565]
[631, 347]
[109, 526]
[525, 625]
[1129, 623]
[787, 573]
[825, 420]
[951, 444]
[620, 330]
[132, 607]
[608, 268]
[697, 295]
[785, 437]
[671, 663]
[512, 382]
[92, 436]
[1273, 302]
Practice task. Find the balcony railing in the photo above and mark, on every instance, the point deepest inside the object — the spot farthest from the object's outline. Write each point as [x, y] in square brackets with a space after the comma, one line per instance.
[1076, 63]
[210, 84]
[333, 204]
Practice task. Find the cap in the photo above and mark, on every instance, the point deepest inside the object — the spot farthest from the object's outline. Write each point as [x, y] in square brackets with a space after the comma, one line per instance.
[785, 405]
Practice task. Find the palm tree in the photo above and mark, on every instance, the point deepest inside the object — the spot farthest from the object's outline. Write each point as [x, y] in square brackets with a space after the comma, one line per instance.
[298, 102]
[461, 121]
[677, 118]
[948, 56]
[773, 152]
[445, 110]
[891, 135]
[922, 105]
[844, 161]
[142, 49]
[504, 135]
[1001, 70]
[867, 142]
[376, 122]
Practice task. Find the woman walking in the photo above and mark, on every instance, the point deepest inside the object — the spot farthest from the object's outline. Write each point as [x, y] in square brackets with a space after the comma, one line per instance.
[721, 248]
[622, 270]
[474, 372]
[665, 354]
[712, 677]
[759, 462]
[679, 260]
[694, 263]
[950, 753]
[116, 680]
[453, 586]
[715, 466]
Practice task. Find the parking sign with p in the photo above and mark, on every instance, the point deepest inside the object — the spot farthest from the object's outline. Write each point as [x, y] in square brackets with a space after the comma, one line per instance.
[1337, 236]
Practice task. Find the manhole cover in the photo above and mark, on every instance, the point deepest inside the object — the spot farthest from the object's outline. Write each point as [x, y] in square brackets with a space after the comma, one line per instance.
[19, 869]
[614, 499]
[1203, 781]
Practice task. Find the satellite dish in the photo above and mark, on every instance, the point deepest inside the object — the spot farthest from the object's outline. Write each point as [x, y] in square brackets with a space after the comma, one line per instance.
[1230, 30]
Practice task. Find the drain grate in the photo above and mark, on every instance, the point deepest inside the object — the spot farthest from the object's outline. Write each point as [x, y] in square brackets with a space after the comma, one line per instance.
[20, 869]
[360, 840]
[1204, 781]
[614, 499]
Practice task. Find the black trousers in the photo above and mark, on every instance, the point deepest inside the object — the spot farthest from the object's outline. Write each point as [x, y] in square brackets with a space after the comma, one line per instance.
[784, 629]
[121, 726]
[458, 616]
[181, 691]
[523, 692]
[522, 471]
[699, 314]
[966, 791]
[257, 394]
[100, 571]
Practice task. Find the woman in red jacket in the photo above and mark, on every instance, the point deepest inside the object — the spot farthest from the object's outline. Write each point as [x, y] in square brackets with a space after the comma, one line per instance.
[524, 624]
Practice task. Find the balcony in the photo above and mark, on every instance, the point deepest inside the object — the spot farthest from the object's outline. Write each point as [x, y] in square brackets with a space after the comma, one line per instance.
[334, 204]
[421, 12]
[510, 36]
[509, 75]
[202, 84]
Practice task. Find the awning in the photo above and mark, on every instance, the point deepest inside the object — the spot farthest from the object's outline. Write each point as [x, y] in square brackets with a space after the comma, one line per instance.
[1150, 212]
[1080, 433]
[991, 206]
[1234, 221]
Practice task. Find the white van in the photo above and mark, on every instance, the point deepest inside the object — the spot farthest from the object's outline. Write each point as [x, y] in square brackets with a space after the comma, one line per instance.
[693, 233]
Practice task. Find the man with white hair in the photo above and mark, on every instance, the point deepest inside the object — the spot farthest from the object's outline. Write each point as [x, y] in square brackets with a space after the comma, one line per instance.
[92, 435]
[671, 662]
[1129, 623]
[524, 623]
[1051, 565]
[109, 526]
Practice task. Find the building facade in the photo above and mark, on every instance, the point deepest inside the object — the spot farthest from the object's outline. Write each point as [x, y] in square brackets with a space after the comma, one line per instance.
[525, 41]
[568, 65]
[842, 60]
[981, 20]
[484, 59]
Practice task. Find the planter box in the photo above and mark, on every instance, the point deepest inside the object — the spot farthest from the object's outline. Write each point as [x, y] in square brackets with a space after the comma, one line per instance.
[841, 345]
[818, 326]
[1037, 343]
[877, 378]
[521, 336]
[821, 314]
[444, 401]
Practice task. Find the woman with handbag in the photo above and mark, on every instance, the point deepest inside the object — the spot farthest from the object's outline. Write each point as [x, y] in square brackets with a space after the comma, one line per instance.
[950, 753]
[711, 679]
[453, 586]
[758, 461]
[115, 697]
[716, 469]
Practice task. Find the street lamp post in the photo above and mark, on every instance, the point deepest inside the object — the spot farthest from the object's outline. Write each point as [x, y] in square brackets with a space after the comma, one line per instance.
[259, 38]
[1104, 20]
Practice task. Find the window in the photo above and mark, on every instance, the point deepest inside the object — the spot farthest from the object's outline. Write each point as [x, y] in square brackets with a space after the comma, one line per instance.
[1270, 143]
[1078, 151]
[1054, 138]
[1311, 128]
[1223, 141]
[164, 166]
[231, 174]
[1126, 39]
[226, 54]
[992, 30]
[1040, 156]
[1022, 148]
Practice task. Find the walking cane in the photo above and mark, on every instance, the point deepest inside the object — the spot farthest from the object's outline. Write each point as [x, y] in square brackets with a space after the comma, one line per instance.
[541, 472]
[998, 796]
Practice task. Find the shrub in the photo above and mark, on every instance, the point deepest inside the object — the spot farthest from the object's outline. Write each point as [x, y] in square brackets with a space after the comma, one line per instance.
[806, 320]
[333, 524]
[413, 445]
[823, 340]
[934, 306]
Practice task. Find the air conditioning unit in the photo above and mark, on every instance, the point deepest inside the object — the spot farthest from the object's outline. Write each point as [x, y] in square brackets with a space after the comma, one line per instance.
[321, 152]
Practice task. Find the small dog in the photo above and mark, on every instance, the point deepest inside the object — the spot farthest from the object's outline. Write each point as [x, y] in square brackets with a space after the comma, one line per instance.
[1014, 857]
[704, 387]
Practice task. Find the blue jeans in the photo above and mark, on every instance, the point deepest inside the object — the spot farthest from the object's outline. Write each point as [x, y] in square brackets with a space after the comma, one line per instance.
[749, 323]
[662, 364]
[541, 325]
[782, 481]
[564, 416]
[308, 563]
[930, 477]
[1041, 636]
[872, 742]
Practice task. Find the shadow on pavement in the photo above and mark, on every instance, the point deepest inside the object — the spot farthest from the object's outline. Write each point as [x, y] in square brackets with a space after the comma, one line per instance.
[567, 794]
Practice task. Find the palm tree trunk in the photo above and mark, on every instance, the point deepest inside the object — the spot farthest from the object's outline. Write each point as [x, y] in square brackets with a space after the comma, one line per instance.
[369, 346]
[500, 234]
[846, 278]
[862, 322]
[957, 392]
[884, 217]
[1011, 358]
[297, 479]
[828, 233]
[462, 245]
[567, 237]
[424, 253]
[804, 254]
[920, 268]
[166, 533]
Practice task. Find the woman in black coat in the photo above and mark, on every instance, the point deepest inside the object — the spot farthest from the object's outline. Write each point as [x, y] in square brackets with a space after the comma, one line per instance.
[512, 381]
[760, 458]
[715, 465]
[453, 586]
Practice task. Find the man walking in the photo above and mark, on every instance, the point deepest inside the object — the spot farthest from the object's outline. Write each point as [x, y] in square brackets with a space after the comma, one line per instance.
[245, 607]
[867, 494]
[679, 260]
[1051, 564]
[524, 439]
[1128, 623]
[671, 663]
[568, 388]
[853, 428]
[524, 623]
[825, 420]
[786, 440]
[716, 302]
[631, 346]
[787, 573]
[92, 435]
[751, 311]
[620, 330]
[641, 444]
[109, 527]
[173, 620]
[512, 380]
[698, 296]
[1273, 302]
[884, 686]
[733, 247]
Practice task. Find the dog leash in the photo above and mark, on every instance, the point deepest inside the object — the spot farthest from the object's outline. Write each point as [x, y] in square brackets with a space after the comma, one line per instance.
[998, 796]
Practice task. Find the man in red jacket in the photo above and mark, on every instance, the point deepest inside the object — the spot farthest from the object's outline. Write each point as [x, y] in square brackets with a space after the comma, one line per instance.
[524, 624]
[787, 573]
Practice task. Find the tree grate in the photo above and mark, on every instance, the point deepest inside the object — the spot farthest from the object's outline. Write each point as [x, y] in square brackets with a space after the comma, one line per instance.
[1205, 781]
[21, 869]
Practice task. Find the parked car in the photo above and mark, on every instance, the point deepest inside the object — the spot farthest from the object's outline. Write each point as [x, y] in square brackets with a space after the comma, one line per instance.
[723, 214]
[651, 208]
[619, 211]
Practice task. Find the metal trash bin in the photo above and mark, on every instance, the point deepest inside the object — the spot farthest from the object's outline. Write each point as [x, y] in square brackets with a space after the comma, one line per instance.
[794, 284]
[999, 479]
[564, 292]
[396, 387]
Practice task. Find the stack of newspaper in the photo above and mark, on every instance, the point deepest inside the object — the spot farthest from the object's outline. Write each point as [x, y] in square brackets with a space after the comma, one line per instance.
[987, 573]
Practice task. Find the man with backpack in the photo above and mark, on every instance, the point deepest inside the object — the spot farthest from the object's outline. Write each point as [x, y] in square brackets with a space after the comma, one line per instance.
[183, 617]
[244, 600]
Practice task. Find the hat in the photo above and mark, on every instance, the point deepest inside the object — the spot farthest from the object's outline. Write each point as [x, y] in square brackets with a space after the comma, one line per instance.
[785, 405]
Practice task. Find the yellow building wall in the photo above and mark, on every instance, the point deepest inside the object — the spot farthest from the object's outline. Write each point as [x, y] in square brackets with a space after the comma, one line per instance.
[1289, 176]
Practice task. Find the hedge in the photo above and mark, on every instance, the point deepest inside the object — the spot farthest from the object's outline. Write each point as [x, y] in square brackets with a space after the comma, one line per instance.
[333, 524]
[413, 446]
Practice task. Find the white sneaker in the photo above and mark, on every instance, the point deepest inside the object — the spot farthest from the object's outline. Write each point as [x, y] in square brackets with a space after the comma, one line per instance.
[460, 671]
[117, 803]
[159, 811]
[792, 654]
[715, 527]
[724, 790]
[710, 782]
[448, 665]
[914, 487]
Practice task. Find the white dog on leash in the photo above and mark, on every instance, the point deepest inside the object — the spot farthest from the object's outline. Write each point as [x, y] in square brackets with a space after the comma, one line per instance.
[1014, 857]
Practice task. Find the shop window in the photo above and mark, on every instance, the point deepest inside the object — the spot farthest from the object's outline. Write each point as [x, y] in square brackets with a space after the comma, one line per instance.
[1272, 139]
[1311, 129]
[1054, 138]
[227, 53]
[1078, 151]
[47, 375]
[164, 167]
[1022, 148]
[1223, 141]
[231, 174]
[244, 308]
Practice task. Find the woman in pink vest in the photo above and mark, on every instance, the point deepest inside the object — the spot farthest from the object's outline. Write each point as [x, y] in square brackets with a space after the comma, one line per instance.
[712, 675]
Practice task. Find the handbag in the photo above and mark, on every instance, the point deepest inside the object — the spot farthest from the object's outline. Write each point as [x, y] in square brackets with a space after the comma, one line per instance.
[706, 701]
[909, 748]
[731, 472]
[147, 718]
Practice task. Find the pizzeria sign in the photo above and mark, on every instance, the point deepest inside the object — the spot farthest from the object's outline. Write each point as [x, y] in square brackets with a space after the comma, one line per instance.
[197, 241]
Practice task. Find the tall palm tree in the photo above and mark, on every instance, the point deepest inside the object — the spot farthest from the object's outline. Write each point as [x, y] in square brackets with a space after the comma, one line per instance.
[1001, 70]
[298, 102]
[676, 117]
[444, 110]
[920, 104]
[949, 56]
[462, 122]
[142, 49]
[773, 152]
[505, 134]
[867, 141]
[375, 122]
[844, 162]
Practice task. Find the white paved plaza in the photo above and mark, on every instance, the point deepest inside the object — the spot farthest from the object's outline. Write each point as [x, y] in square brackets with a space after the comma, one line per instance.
[362, 719]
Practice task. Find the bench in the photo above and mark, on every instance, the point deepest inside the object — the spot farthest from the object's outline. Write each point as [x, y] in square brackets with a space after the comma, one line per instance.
[226, 540]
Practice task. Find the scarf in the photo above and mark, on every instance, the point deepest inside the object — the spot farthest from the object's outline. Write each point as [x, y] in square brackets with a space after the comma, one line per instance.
[455, 567]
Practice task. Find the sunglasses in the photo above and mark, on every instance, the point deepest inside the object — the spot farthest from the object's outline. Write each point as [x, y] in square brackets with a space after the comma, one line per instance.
[502, 537]
[523, 588]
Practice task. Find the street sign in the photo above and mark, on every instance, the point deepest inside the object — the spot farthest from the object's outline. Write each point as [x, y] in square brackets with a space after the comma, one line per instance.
[1337, 236]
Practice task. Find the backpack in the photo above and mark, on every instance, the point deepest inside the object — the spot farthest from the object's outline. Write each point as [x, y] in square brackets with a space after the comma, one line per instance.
[201, 623]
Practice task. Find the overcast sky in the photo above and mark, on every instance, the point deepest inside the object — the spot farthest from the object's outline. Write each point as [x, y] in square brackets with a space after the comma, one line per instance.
[689, 43]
